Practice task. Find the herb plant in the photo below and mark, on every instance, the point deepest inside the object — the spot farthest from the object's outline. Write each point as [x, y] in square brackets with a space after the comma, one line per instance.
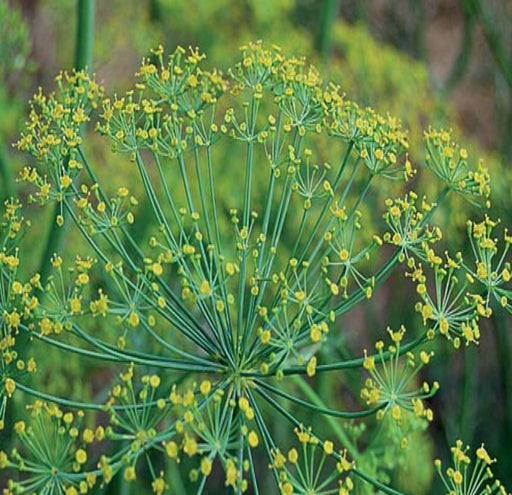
[211, 326]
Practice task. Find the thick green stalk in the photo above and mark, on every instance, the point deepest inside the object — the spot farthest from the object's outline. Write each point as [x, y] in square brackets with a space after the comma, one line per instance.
[85, 34]
[469, 395]
[327, 17]
[495, 40]
[155, 11]
[419, 29]
[6, 176]
[461, 63]
[502, 332]
[83, 59]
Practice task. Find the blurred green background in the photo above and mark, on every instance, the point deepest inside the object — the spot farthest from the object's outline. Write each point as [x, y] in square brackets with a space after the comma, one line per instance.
[431, 62]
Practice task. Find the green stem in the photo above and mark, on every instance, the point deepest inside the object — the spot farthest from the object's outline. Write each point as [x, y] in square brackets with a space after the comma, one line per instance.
[317, 406]
[497, 44]
[6, 176]
[466, 46]
[376, 483]
[341, 365]
[83, 405]
[155, 11]
[328, 16]
[501, 330]
[84, 35]
[469, 395]
[419, 29]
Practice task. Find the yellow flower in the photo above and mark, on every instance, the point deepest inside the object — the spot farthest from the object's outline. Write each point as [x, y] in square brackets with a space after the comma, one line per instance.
[483, 455]
[231, 473]
[88, 436]
[65, 181]
[253, 439]
[206, 466]
[205, 387]
[265, 337]
[76, 305]
[457, 478]
[328, 447]
[369, 362]
[81, 456]
[190, 446]
[287, 489]
[243, 403]
[19, 427]
[396, 412]
[171, 449]
[205, 288]
[444, 326]
[344, 255]
[13, 319]
[158, 485]
[10, 386]
[17, 288]
[230, 268]
[129, 473]
[311, 367]
[134, 319]
[157, 269]
[154, 381]
[316, 333]
[279, 460]
[293, 455]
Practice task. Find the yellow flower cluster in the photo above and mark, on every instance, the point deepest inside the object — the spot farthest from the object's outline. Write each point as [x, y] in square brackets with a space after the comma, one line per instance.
[491, 268]
[330, 469]
[453, 309]
[17, 303]
[159, 114]
[207, 302]
[450, 163]
[53, 134]
[65, 459]
[407, 229]
[465, 477]
[392, 384]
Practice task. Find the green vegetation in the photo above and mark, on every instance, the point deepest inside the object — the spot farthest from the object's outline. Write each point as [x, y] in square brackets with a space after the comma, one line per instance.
[234, 275]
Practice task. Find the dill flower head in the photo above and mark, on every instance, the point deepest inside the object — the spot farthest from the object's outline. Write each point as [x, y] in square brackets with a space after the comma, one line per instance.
[313, 467]
[467, 475]
[390, 384]
[211, 283]
[490, 267]
[450, 162]
[13, 295]
[53, 453]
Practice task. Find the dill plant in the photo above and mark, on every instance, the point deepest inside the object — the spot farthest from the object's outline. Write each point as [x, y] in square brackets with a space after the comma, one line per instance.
[212, 326]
